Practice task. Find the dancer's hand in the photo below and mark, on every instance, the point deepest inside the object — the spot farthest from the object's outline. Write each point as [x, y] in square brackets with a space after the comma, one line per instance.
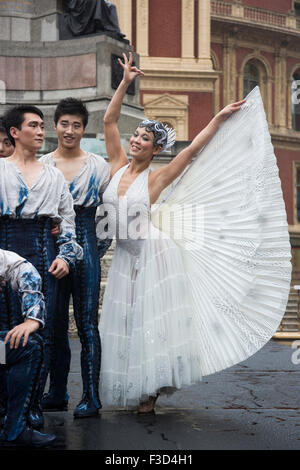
[59, 268]
[230, 109]
[130, 72]
[24, 329]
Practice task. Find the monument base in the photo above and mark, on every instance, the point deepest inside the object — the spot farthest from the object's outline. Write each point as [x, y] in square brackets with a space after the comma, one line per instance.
[85, 68]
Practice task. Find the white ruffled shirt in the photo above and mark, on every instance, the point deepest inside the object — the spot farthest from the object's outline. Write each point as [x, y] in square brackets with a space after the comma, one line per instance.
[49, 196]
[91, 181]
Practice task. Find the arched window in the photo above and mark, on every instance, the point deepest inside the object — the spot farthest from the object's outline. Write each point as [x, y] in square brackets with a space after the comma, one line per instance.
[296, 101]
[251, 77]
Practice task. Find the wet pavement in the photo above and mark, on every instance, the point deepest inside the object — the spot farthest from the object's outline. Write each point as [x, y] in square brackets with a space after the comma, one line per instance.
[254, 405]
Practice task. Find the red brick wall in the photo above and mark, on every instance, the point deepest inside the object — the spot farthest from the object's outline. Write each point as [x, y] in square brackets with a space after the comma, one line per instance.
[200, 112]
[133, 28]
[291, 63]
[200, 109]
[285, 160]
[241, 53]
[165, 28]
[218, 50]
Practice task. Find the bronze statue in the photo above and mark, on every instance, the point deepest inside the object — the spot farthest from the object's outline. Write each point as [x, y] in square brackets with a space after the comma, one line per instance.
[89, 17]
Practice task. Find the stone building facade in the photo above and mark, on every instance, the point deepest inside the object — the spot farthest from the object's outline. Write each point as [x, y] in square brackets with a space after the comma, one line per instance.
[198, 55]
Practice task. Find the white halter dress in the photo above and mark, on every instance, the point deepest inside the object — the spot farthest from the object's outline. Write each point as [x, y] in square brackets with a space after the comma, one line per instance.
[146, 325]
[179, 307]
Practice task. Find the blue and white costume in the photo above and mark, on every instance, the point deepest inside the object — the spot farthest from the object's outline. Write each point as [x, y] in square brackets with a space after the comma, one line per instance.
[84, 284]
[26, 219]
[24, 363]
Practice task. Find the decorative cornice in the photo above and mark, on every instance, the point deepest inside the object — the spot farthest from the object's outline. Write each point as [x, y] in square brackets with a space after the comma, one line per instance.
[177, 64]
[287, 138]
[178, 83]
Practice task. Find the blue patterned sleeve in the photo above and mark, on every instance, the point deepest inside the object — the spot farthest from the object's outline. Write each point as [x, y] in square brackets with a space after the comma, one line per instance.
[25, 279]
[69, 249]
[102, 246]
[103, 242]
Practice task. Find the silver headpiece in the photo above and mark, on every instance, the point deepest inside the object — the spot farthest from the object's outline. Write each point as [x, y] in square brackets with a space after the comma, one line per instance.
[163, 135]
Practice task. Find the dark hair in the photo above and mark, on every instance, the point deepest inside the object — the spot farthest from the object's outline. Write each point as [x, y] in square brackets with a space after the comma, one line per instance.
[71, 106]
[2, 128]
[14, 117]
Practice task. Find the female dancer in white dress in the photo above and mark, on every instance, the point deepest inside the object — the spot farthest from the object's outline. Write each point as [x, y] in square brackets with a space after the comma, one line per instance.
[178, 308]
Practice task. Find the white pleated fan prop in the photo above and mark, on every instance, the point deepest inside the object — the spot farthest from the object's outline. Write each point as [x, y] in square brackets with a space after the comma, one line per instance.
[227, 215]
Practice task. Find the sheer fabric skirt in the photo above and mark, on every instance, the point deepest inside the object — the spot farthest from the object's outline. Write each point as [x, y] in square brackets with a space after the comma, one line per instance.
[146, 326]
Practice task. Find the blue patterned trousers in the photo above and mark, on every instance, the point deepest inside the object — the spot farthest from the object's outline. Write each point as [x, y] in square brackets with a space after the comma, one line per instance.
[22, 370]
[83, 283]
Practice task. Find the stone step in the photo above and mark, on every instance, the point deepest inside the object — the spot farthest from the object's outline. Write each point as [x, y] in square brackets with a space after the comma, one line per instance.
[291, 310]
[290, 319]
[290, 327]
[288, 316]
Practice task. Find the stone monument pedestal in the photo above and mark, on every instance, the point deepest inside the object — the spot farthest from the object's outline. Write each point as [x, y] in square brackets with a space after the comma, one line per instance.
[37, 68]
[43, 72]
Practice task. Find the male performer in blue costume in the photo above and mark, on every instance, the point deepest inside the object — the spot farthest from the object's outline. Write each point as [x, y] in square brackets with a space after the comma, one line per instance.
[87, 175]
[21, 351]
[33, 196]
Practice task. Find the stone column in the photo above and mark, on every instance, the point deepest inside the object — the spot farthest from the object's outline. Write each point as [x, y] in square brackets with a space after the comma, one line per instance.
[187, 28]
[124, 9]
[280, 87]
[142, 27]
[204, 58]
[229, 70]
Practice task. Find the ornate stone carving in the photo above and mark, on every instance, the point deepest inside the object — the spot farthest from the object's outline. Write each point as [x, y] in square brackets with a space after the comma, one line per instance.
[171, 109]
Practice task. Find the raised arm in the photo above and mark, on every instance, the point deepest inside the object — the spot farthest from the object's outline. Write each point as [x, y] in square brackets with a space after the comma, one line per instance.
[116, 154]
[164, 176]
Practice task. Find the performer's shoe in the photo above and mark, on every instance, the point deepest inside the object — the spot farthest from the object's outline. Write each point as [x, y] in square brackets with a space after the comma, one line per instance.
[147, 407]
[28, 438]
[85, 409]
[36, 418]
[50, 404]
